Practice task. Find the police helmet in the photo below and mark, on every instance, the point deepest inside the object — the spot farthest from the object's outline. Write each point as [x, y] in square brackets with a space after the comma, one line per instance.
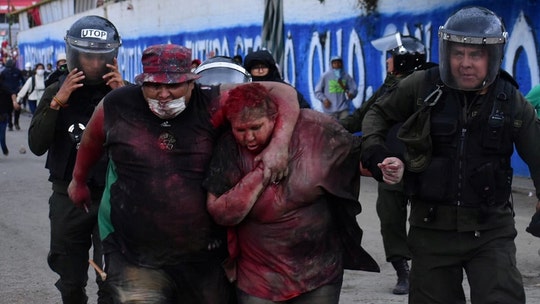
[409, 56]
[475, 27]
[221, 69]
[93, 38]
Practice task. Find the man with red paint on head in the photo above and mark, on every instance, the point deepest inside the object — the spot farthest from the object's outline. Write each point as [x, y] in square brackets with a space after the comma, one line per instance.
[288, 241]
[160, 243]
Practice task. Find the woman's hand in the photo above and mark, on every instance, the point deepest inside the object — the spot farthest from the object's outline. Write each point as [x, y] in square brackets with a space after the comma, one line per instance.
[392, 169]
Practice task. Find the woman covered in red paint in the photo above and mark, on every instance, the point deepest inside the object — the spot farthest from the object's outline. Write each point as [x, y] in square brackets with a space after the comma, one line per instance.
[285, 243]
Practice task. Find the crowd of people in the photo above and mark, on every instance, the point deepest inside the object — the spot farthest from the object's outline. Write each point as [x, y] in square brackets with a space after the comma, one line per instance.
[233, 190]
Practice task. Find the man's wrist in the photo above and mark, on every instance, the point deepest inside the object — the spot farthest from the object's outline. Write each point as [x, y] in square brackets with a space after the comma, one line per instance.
[56, 103]
[54, 106]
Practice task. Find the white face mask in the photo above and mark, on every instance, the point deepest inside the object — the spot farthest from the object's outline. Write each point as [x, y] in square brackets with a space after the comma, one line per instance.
[167, 110]
[40, 72]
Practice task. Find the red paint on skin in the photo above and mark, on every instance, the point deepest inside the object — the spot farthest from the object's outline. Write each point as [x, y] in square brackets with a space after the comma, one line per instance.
[287, 228]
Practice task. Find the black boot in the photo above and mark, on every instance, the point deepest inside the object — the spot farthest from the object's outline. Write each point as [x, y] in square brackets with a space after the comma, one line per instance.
[72, 294]
[402, 270]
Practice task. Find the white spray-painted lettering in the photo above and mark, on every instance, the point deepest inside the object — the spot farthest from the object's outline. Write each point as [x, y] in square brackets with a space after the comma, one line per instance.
[316, 61]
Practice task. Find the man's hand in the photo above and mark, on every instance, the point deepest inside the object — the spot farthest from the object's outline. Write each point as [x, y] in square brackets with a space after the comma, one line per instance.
[72, 83]
[327, 104]
[113, 78]
[16, 105]
[392, 169]
[275, 163]
[79, 193]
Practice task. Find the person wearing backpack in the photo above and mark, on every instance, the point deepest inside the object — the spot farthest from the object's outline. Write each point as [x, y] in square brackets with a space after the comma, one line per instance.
[33, 88]
[461, 121]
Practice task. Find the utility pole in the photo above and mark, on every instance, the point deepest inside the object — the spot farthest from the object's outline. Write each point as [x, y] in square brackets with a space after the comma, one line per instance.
[9, 21]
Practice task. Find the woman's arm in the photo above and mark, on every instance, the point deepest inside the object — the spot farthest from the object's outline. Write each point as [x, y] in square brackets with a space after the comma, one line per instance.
[231, 208]
[22, 92]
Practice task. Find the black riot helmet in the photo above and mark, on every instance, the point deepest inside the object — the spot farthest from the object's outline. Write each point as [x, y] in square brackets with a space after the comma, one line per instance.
[472, 27]
[408, 53]
[409, 56]
[221, 69]
[91, 43]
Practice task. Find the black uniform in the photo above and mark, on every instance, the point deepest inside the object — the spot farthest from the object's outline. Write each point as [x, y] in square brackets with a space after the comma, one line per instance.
[73, 231]
[461, 216]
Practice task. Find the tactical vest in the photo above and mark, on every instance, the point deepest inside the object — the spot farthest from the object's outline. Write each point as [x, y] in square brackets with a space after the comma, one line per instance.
[70, 123]
[472, 143]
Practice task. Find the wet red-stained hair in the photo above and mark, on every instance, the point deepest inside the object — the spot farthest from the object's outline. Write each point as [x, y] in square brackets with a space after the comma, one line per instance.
[246, 101]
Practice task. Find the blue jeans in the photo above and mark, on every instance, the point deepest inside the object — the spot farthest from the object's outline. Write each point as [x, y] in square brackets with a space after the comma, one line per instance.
[32, 105]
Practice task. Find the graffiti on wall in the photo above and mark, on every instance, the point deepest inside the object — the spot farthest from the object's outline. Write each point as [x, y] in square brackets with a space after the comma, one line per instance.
[307, 51]
[309, 47]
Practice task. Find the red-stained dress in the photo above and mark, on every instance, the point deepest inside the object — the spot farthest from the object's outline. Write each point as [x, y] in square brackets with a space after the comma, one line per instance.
[289, 242]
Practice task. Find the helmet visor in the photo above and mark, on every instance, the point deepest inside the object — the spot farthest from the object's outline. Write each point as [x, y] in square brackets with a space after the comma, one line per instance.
[469, 63]
[387, 43]
[92, 61]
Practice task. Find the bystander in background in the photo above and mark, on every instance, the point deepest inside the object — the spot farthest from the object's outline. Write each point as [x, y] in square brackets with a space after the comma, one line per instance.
[13, 80]
[33, 88]
[336, 89]
[8, 102]
[262, 67]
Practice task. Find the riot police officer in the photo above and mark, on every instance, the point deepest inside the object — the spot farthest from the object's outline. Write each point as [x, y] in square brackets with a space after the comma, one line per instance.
[92, 44]
[461, 123]
[406, 54]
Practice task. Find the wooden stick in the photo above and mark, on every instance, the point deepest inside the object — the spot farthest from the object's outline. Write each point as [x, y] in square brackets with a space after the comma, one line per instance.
[98, 269]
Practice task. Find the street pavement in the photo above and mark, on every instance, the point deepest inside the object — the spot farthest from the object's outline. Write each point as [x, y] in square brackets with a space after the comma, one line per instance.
[24, 235]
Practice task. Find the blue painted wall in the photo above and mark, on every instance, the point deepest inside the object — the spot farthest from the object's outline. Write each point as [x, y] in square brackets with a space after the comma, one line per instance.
[312, 38]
